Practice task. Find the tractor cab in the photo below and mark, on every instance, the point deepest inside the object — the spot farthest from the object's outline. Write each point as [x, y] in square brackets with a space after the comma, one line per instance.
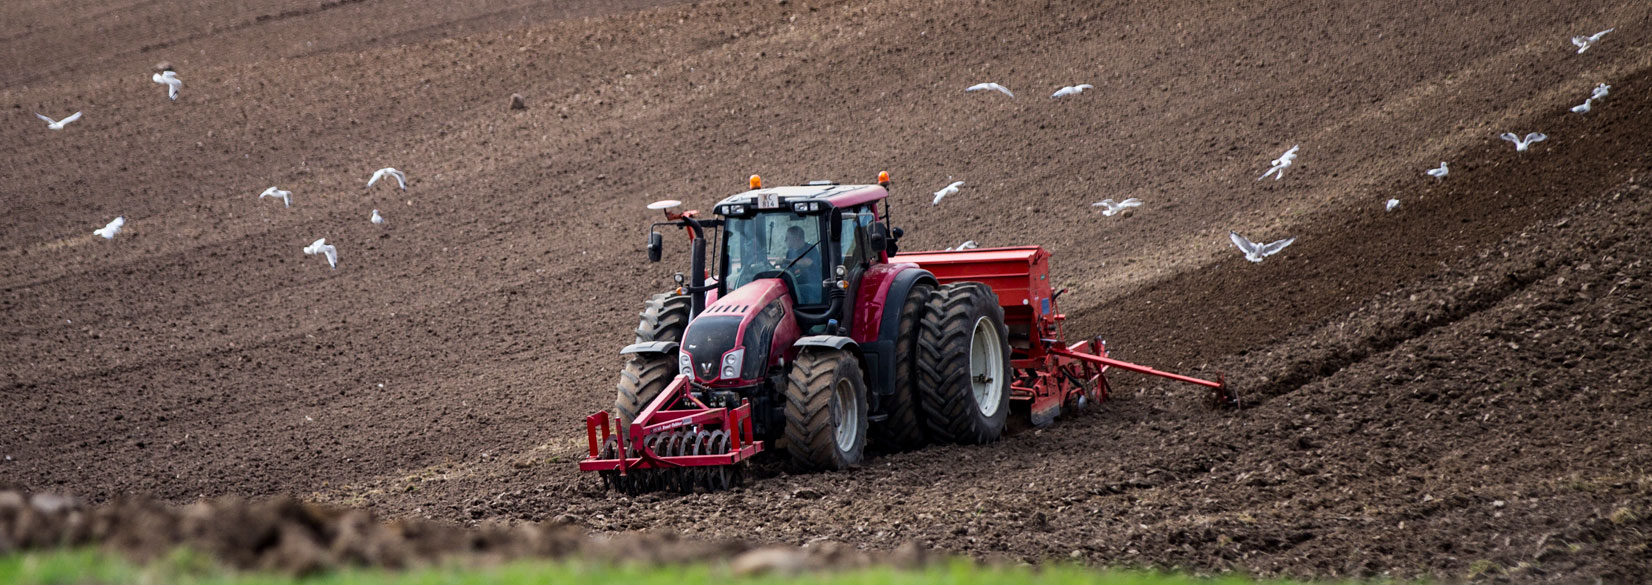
[802, 235]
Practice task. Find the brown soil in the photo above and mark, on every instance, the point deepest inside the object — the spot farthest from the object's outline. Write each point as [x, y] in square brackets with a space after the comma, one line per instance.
[1452, 389]
[288, 535]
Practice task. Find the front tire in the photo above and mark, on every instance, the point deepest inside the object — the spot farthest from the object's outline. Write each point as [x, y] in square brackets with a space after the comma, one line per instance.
[963, 365]
[641, 381]
[825, 410]
[663, 318]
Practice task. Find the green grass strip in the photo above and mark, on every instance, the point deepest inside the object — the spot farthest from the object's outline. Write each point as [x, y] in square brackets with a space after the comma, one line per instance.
[182, 567]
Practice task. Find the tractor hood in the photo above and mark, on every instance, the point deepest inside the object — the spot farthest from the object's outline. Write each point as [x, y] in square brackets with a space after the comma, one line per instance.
[735, 339]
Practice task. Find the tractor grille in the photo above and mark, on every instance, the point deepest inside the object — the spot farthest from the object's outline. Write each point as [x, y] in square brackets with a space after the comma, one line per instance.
[707, 339]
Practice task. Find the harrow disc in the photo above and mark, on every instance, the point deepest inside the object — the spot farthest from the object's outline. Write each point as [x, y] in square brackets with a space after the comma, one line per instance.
[610, 477]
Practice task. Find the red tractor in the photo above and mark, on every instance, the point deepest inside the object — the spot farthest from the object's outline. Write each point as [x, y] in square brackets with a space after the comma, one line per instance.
[808, 329]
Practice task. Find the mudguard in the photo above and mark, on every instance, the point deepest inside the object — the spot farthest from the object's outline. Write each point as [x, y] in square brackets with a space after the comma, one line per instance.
[665, 347]
[831, 341]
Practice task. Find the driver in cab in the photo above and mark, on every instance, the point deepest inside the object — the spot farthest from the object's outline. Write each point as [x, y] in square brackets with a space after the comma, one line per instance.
[802, 257]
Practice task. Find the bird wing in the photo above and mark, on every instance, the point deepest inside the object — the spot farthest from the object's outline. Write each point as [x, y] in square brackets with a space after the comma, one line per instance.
[332, 255]
[955, 185]
[1244, 245]
[401, 179]
[375, 178]
[1274, 247]
[1536, 137]
[1003, 89]
[1582, 43]
[48, 120]
[71, 118]
[1108, 203]
[1131, 202]
[1596, 37]
[1084, 86]
[1510, 136]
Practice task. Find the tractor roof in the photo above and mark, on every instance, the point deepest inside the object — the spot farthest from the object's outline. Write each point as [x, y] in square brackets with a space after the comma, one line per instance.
[831, 194]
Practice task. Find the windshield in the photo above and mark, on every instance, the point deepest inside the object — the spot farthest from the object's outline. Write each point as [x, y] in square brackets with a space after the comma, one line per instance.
[769, 242]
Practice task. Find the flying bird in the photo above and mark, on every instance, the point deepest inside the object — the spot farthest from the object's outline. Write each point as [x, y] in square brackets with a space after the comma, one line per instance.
[322, 247]
[401, 179]
[108, 232]
[1583, 108]
[967, 245]
[1392, 203]
[1600, 91]
[1521, 144]
[1583, 43]
[1439, 173]
[1113, 209]
[1280, 163]
[1254, 252]
[171, 81]
[992, 86]
[377, 219]
[950, 189]
[285, 196]
[58, 124]
[1071, 90]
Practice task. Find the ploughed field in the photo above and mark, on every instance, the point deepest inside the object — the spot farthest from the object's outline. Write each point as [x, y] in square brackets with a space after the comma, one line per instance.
[1454, 388]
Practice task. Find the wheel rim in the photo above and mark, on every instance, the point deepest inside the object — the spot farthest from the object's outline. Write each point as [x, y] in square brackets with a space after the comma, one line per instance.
[845, 405]
[986, 367]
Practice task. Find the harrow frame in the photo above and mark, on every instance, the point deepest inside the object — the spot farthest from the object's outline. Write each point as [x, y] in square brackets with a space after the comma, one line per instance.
[676, 409]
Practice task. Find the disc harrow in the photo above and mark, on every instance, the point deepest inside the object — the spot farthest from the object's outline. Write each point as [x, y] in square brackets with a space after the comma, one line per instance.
[676, 444]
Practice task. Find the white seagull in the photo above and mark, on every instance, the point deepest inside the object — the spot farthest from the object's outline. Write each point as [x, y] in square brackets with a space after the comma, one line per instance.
[58, 124]
[992, 86]
[1280, 163]
[1521, 144]
[1600, 91]
[171, 81]
[1254, 252]
[108, 232]
[1392, 203]
[401, 179]
[1583, 108]
[377, 219]
[1113, 209]
[1583, 42]
[1071, 90]
[948, 190]
[1439, 173]
[285, 196]
[322, 247]
[967, 245]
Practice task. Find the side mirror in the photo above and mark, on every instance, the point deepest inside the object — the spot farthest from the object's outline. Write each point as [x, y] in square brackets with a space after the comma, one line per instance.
[878, 238]
[655, 245]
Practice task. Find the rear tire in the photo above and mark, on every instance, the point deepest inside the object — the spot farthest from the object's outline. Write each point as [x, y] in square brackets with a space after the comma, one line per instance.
[825, 410]
[903, 429]
[663, 318]
[963, 365]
